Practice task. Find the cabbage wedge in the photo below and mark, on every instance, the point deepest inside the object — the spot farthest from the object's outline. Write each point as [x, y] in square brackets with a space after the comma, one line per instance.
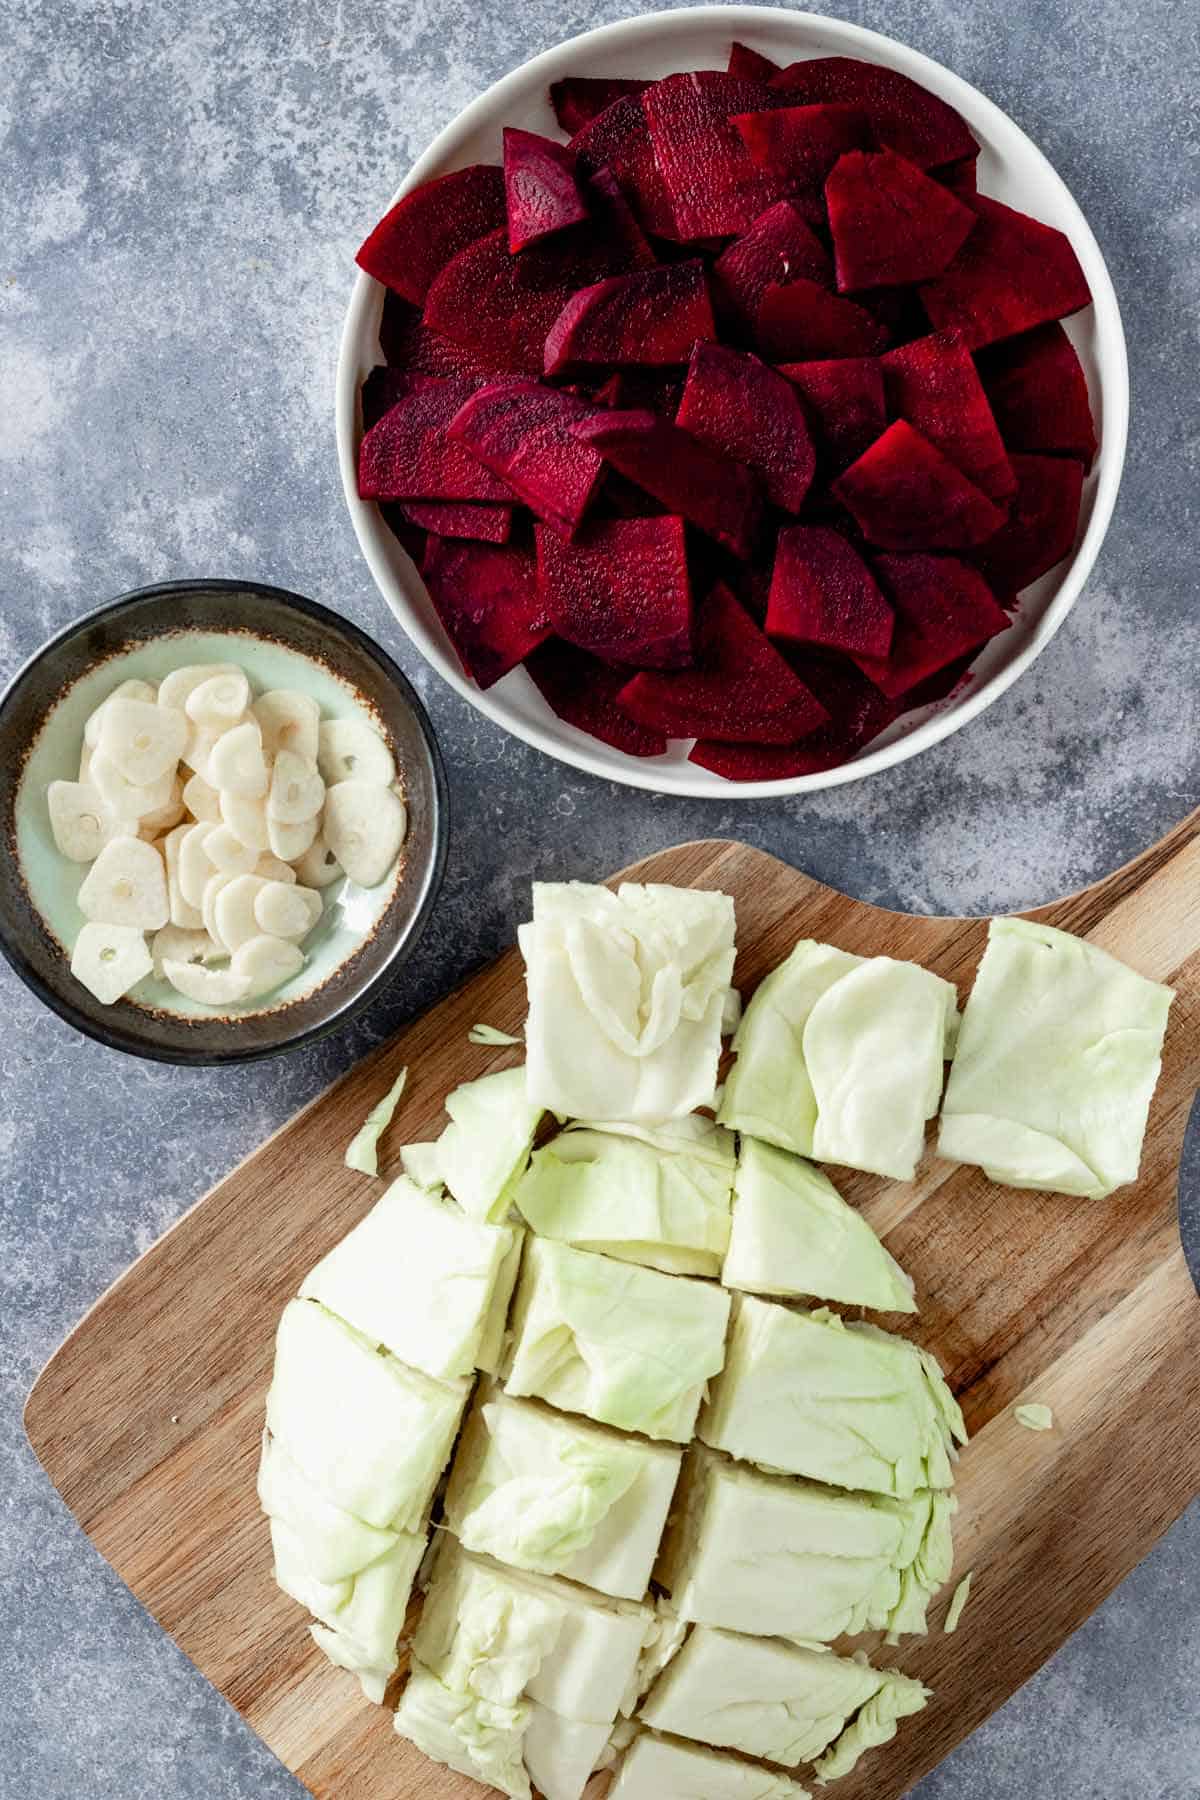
[482, 1153]
[655, 1768]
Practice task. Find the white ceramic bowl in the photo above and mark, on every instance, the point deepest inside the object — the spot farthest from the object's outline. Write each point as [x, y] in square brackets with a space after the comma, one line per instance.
[1011, 168]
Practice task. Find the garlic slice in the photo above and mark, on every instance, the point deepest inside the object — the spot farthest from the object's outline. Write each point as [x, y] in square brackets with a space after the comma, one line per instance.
[233, 911]
[126, 885]
[351, 751]
[318, 867]
[286, 912]
[271, 869]
[288, 842]
[226, 851]
[246, 818]
[288, 721]
[184, 916]
[268, 962]
[184, 946]
[297, 791]
[142, 739]
[125, 690]
[109, 960]
[236, 763]
[202, 799]
[364, 827]
[79, 822]
[176, 688]
[162, 818]
[211, 987]
[213, 888]
[220, 701]
[196, 867]
[121, 796]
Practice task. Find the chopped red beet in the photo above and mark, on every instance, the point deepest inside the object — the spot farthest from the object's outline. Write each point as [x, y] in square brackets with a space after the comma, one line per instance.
[933, 384]
[944, 609]
[1038, 392]
[411, 538]
[649, 316]
[486, 596]
[541, 192]
[906, 117]
[720, 496]
[739, 406]
[844, 398]
[408, 456]
[961, 177]
[740, 691]
[521, 431]
[578, 99]
[942, 685]
[750, 65]
[713, 185]
[1041, 525]
[779, 247]
[409, 345]
[892, 226]
[414, 241]
[380, 391]
[1012, 273]
[824, 595]
[797, 146]
[618, 139]
[620, 590]
[800, 321]
[906, 495]
[857, 711]
[646, 388]
[583, 690]
[465, 519]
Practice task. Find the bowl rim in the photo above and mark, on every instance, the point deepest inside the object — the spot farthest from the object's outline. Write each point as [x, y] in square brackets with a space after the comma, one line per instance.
[694, 782]
[127, 1043]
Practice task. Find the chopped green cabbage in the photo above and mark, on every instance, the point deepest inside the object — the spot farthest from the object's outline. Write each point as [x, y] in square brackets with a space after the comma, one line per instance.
[482, 1635]
[491, 1037]
[848, 1405]
[656, 1768]
[1057, 1060]
[794, 1235]
[362, 1152]
[659, 1197]
[367, 1612]
[898, 1698]
[664, 1640]
[626, 996]
[334, 1544]
[1034, 1417]
[958, 1601]
[627, 1346]
[483, 1151]
[344, 1655]
[479, 1738]
[422, 1164]
[420, 1277]
[560, 1754]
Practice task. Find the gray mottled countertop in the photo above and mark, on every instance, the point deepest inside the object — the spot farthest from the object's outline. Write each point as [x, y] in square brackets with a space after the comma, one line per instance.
[182, 186]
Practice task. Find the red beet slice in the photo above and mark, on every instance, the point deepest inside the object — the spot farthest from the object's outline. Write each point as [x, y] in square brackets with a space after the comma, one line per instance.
[750, 65]
[486, 596]
[734, 403]
[521, 431]
[1012, 273]
[1041, 525]
[468, 519]
[411, 538]
[408, 344]
[540, 189]
[1038, 392]
[906, 495]
[844, 398]
[414, 241]
[892, 226]
[620, 590]
[712, 182]
[906, 117]
[635, 389]
[720, 496]
[779, 247]
[408, 456]
[961, 177]
[618, 139]
[857, 711]
[801, 321]
[380, 391]
[944, 609]
[933, 384]
[583, 690]
[578, 99]
[650, 316]
[823, 594]
[797, 146]
[740, 691]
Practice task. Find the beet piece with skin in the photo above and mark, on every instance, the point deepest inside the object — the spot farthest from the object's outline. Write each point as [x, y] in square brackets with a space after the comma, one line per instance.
[583, 690]
[1038, 393]
[428, 227]
[743, 409]
[906, 117]
[408, 456]
[906, 495]
[713, 184]
[944, 609]
[466, 519]
[797, 146]
[1041, 525]
[800, 322]
[891, 225]
[844, 400]
[486, 596]
[1012, 273]
[618, 139]
[741, 690]
[649, 316]
[621, 590]
[578, 99]
[857, 711]
[823, 595]
[521, 431]
[541, 192]
[779, 247]
[933, 384]
[750, 65]
[720, 496]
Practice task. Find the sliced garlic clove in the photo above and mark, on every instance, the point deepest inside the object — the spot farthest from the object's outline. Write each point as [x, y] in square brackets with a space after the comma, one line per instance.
[271, 869]
[176, 688]
[286, 912]
[196, 867]
[164, 818]
[297, 791]
[126, 885]
[213, 889]
[288, 721]
[246, 818]
[318, 867]
[211, 987]
[351, 751]
[267, 962]
[109, 960]
[85, 763]
[126, 690]
[202, 799]
[291, 841]
[236, 762]
[184, 916]
[79, 821]
[143, 740]
[220, 701]
[227, 852]
[180, 945]
[233, 911]
[198, 749]
[364, 827]
[121, 796]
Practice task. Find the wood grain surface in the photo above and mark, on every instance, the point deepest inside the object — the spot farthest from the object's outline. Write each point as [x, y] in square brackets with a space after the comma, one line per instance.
[148, 1418]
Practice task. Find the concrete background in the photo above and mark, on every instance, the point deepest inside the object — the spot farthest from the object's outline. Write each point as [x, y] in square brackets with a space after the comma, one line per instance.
[182, 187]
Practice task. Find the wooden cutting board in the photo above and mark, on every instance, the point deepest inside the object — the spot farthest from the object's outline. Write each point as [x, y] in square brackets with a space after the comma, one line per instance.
[148, 1418]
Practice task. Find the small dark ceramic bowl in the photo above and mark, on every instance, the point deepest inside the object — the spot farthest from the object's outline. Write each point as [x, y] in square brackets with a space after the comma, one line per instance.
[282, 640]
